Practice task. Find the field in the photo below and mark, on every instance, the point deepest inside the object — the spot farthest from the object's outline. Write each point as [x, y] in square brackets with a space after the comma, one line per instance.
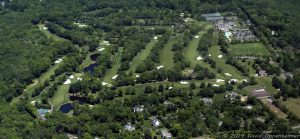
[167, 54]
[248, 49]
[142, 55]
[61, 96]
[114, 70]
[293, 105]
[220, 62]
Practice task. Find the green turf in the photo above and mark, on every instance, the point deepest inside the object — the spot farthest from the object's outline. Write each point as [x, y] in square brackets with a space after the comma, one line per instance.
[50, 35]
[142, 55]
[114, 70]
[167, 53]
[293, 105]
[248, 49]
[60, 96]
[267, 83]
[220, 62]
[36, 82]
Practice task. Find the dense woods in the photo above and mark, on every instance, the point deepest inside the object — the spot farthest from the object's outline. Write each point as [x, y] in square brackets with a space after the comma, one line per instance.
[34, 35]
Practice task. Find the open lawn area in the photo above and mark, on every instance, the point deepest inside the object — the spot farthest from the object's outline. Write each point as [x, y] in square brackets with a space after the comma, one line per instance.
[114, 70]
[167, 54]
[248, 49]
[61, 96]
[293, 105]
[48, 34]
[220, 62]
[142, 55]
[267, 83]
[36, 82]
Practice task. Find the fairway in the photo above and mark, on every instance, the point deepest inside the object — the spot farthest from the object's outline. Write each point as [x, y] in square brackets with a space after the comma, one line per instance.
[248, 49]
[220, 62]
[142, 55]
[114, 70]
[61, 96]
[167, 54]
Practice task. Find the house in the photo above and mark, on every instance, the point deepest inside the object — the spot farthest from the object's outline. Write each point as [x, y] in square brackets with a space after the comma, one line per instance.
[207, 101]
[129, 127]
[137, 109]
[42, 113]
[262, 73]
[165, 134]
[232, 95]
[155, 122]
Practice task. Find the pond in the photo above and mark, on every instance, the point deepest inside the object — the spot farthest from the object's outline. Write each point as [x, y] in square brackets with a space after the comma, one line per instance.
[90, 68]
[94, 57]
[65, 108]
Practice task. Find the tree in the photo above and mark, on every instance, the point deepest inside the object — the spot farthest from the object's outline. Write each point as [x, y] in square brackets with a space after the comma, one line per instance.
[192, 85]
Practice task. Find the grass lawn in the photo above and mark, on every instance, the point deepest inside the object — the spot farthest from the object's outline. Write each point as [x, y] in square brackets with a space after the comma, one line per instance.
[142, 55]
[36, 82]
[50, 35]
[293, 105]
[220, 62]
[267, 83]
[167, 54]
[114, 70]
[191, 51]
[60, 96]
[248, 49]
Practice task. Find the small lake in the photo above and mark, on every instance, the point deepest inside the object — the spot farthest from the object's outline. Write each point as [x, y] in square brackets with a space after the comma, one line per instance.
[90, 68]
[65, 108]
[94, 57]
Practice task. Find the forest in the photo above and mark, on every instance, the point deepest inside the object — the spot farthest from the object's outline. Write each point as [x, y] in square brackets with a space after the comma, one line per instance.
[147, 69]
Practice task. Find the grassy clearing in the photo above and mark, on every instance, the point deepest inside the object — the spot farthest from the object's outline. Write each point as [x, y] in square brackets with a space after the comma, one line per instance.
[167, 54]
[293, 105]
[248, 49]
[191, 51]
[142, 55]
[50, 35]
[267, 83]
[114, 70]
[36, 82]
[220, 62]
[61, 96]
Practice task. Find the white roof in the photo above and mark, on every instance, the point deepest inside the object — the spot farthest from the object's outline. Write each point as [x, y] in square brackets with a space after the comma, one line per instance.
[220, 56]
[155, 38]
[196, 36]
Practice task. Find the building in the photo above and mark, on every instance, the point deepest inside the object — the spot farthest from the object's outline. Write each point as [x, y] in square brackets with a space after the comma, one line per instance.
[262, 73]
[244, 35]
[129, 127]
[165, 134]
[155, 122]
[207, 101]
[260, 93]
[212, 17]
[232, 95]
[138, 108]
